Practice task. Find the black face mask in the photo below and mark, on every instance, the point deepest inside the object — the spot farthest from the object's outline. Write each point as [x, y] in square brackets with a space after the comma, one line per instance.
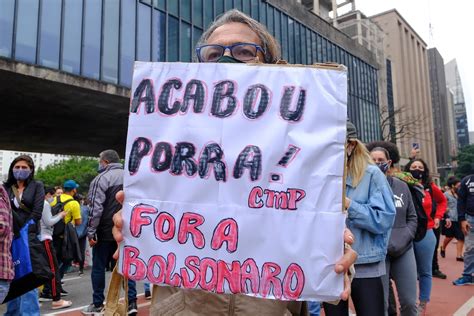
[417, 174]
[228, 59]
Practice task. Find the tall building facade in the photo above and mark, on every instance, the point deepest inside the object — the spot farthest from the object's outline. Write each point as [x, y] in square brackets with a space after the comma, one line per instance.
[453, 80]
[439, 102]
[411, 94]
[100, 40]
[453, 136]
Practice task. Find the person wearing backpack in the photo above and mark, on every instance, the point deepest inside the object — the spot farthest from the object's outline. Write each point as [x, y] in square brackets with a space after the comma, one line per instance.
[51, 290]
[65, 202]
[425, 248]
[400, 260]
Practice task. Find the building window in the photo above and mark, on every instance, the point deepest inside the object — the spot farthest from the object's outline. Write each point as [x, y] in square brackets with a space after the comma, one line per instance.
[127, 42]
[185, 40]
[143, 32]
[111, 40]
[159, 36]
[173, 39]
[219, 5]
[173, 7]
[72, 33]
[92, 36]
[26, 30]
[7, 13]
[49, 33]
[197, 13]
[208, 12]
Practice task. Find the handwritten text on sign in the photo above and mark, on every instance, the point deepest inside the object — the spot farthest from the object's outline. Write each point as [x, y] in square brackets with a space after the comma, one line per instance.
[234, 179]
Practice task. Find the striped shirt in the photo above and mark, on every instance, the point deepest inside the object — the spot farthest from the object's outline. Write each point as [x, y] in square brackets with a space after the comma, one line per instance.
[6, 236]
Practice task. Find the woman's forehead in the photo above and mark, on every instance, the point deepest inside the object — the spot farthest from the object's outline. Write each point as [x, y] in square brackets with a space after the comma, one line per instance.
[234, 32]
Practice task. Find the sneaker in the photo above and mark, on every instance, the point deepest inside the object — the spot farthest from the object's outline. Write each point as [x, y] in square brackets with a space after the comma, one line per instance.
[64, 292]
[60, 304]
[45, 297]
[438, 274]
[147, 295]
[421, 309]
[93, 310]
[132, 308]
[464, 280]
[460, 259]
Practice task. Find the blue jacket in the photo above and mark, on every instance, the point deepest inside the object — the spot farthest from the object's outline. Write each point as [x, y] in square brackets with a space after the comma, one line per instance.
[370, 215]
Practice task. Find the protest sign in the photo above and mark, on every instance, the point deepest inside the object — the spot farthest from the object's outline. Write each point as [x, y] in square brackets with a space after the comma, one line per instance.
[234, 178]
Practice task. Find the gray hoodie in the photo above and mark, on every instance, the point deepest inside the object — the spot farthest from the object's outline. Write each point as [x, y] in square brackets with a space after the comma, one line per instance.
[404, 227]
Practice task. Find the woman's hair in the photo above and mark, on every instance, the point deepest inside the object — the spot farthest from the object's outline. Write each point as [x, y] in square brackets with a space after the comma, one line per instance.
[385, 151]
[358, 161]
[269, 43]
[29, 161]
[390, 147]
[452, 181]
[426, 177]
[49, 190]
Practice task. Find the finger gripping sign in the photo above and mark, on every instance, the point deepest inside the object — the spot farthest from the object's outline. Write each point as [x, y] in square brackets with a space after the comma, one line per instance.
[233, 179]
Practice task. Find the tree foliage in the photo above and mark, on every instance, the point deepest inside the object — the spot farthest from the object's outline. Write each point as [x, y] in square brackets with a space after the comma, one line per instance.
[80, 169]
[465, 160]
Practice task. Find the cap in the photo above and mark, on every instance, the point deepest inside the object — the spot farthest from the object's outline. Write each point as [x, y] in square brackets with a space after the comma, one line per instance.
[351, 132]
[70, 185]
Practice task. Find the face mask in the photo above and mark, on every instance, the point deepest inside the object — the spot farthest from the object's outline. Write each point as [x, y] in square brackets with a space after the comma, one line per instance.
[417, 174]
[100, 168]
[383, 166]
[229, 59]
[50, 200]
[21, 174]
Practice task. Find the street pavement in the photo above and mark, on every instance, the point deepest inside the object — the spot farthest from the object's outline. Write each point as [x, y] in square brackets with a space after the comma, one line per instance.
[446, 299]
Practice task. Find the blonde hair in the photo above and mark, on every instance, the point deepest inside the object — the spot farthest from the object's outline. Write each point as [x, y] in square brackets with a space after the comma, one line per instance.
[358, 162]
[269, 43]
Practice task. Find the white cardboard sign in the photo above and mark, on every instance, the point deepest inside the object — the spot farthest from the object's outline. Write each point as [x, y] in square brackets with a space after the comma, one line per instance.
[234, 178]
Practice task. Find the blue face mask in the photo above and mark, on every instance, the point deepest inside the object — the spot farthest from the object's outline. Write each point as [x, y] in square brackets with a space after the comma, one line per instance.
[228, 59]
[383, 166]
[100, 168]
[21, 174]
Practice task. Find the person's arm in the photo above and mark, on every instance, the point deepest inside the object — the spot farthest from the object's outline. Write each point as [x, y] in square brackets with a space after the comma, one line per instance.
[48, 217]
[462, 197]
[378, 214]
[38, 200]
[97, 197]
[441, 201]
[76, 213]
[412, 218]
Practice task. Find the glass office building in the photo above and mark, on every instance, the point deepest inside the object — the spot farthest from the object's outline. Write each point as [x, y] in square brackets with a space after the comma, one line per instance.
[100, 39]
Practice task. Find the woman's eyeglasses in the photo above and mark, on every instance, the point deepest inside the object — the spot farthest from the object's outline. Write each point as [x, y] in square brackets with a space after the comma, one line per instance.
[240, 51]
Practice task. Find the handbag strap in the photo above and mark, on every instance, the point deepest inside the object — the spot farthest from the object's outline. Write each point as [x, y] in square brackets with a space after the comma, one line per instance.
[112, 305]
[18, 199]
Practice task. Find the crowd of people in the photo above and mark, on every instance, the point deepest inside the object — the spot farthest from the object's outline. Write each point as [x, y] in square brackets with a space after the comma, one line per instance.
[394, 218]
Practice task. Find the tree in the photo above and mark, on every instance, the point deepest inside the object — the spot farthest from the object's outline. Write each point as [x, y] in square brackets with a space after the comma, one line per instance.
[394, 126]
[80, 169]
[465, 160]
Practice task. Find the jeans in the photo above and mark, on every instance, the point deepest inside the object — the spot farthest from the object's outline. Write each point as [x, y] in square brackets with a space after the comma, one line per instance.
[469, 248]
[314, 308]
[424, 259]
[437, 233]
[25, 305]
[403, 271]
[82, 247]
[4, 287]
[146, 287]
[101, 256]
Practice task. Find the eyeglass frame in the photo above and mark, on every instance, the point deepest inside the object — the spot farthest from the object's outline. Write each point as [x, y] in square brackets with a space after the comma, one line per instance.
[228, 47]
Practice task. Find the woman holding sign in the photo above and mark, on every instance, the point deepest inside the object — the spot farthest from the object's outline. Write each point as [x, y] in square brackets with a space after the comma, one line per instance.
[370, 215]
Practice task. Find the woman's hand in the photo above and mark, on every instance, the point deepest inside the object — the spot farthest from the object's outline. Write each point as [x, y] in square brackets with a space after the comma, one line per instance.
[448, 223]
[436, 223]
[343, 265]
[347, 203]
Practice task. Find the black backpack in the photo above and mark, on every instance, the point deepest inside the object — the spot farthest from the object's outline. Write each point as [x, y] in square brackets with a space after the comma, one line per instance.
[422, 219]
[60, 226]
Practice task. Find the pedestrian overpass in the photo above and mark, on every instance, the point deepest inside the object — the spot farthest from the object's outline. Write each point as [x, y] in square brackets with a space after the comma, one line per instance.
[50, 111]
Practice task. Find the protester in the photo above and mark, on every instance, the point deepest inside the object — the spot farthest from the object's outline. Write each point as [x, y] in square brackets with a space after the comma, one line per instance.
[26, 200]
[400, 260]
[82, 230]
[51, 291]
[73, 214]
[102, 193]
[58, 191]
[454, 229]
[466, 218]
[371, 212]
[6, 235]
[234, 27]
[425, 248]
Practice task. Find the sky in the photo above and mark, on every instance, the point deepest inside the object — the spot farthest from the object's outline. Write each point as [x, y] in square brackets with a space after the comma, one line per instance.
[452, 26]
